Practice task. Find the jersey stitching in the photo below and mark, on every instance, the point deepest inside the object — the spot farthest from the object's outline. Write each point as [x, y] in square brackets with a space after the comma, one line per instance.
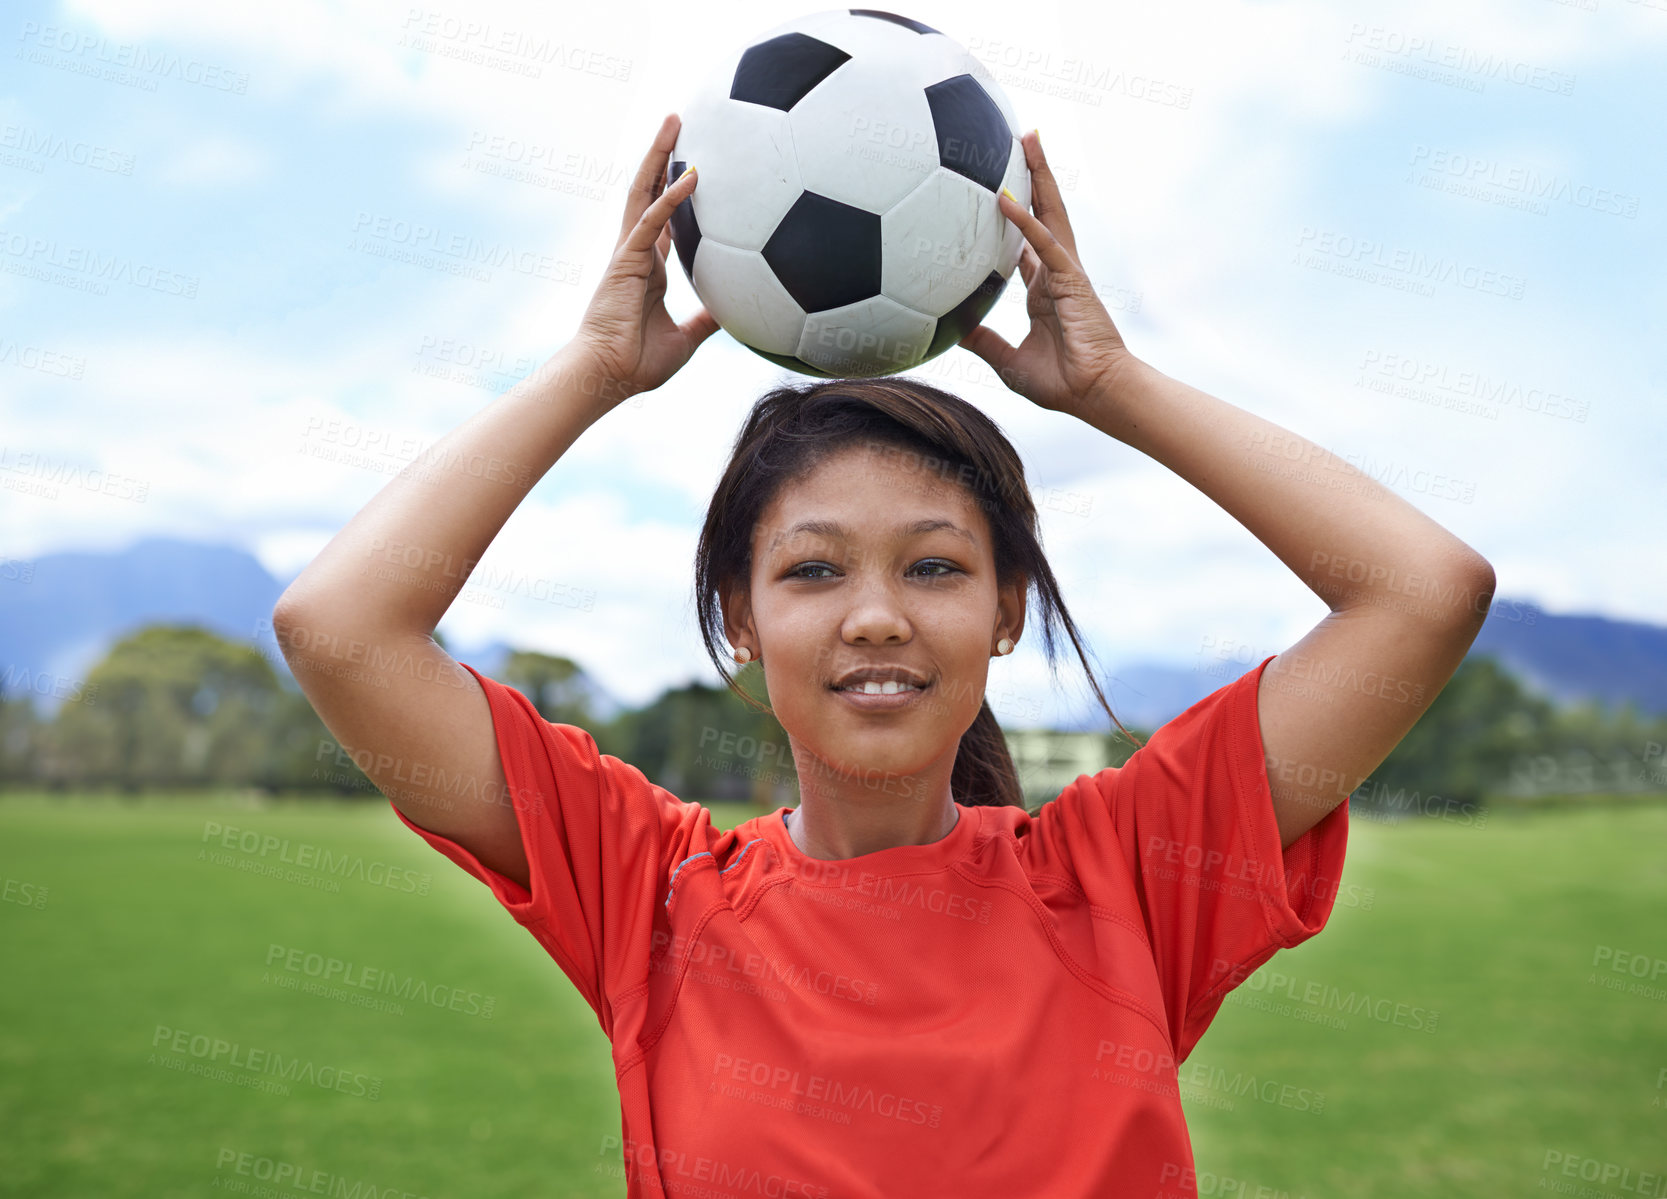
[653, 1038]
[888, 874]
[740, 855]
[1242, 792]
[787, 874]
[765, 886]
[1108, 914]
[1104, 989]
[1268, 906]
[1122, 921]
[570, 966]
[1029, 898]
[672, 881]
[1226, 984]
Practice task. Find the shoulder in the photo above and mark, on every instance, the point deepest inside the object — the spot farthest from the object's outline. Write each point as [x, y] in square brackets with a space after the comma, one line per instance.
[726, 847]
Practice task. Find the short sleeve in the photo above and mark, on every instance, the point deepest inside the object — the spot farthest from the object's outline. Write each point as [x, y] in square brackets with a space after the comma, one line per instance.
[599, 839]
[1187, 826]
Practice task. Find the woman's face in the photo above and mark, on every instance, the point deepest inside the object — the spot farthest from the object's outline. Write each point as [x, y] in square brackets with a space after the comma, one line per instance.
[875, 559]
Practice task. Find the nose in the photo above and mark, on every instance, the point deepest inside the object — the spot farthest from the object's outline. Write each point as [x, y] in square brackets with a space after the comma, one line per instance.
[876, 615]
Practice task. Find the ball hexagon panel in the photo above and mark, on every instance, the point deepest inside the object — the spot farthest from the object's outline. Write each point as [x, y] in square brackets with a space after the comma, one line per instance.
[749, 174]
[850, 154]
[746, 297]
[923, 270]
[935, 58]
[779, 72]
[825, 253]
[871, 337]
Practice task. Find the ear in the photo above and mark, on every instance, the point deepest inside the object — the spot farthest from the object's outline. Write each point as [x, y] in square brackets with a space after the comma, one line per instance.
[1010, 607]
[736, 603]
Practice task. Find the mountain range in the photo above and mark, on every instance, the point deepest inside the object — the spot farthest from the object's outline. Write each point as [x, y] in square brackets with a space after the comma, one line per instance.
[61, 612]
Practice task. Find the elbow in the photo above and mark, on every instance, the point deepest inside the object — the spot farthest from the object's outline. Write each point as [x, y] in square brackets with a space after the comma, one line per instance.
[1485, 581]
[284, 618]
[285, 612]
[301, 602]
[1476, 583]
[1479, 572]
[288, 615]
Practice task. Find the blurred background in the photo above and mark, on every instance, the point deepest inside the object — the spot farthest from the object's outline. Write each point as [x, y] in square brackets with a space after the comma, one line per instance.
[255, 260]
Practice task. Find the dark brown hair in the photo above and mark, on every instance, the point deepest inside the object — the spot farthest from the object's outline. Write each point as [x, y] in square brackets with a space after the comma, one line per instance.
[792, 428]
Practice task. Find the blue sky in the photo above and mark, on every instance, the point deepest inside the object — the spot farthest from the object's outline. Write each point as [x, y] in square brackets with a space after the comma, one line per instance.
[202, 207]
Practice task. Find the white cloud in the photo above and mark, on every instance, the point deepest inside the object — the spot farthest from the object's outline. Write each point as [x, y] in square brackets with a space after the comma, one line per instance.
[215, 161]
[1186, 211]
[285, 552]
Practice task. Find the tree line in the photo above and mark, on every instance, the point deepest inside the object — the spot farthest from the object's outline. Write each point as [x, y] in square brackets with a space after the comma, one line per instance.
[174, 707]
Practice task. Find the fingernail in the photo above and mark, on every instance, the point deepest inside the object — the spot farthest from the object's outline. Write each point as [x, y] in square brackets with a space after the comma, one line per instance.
[690, 172]
[1009, 195]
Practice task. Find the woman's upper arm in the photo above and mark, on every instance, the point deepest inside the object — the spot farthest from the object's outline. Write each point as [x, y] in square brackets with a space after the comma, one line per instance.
[419, 726]
[1335, 704]
[1182, 838]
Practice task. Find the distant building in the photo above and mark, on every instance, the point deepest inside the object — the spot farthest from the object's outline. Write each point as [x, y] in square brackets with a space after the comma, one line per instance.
[1047, 761]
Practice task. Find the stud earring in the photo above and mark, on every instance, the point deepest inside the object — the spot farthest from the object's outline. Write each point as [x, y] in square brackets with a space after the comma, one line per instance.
[1004, 646]
[743, 655]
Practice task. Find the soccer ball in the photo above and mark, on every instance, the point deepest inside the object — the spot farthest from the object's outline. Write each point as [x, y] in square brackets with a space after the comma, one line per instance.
[845, 222]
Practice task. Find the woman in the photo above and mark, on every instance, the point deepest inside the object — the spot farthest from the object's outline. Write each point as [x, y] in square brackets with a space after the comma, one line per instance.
[909, 984]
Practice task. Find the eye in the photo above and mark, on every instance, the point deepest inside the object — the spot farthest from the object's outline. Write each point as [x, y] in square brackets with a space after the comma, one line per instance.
[938, 568]
[948, 568]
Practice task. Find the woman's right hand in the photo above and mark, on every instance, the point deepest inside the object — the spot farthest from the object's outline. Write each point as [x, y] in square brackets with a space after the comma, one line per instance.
[626, 334]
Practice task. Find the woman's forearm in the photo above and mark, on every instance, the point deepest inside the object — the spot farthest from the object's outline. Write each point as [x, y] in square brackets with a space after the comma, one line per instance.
[1347, 537]
[399, 563]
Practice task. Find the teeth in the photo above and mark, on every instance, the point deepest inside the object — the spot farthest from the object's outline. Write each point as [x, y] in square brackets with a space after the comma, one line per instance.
[889, 687]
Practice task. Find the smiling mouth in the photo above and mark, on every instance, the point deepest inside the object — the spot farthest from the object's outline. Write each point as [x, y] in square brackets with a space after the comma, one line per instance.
[888, 687]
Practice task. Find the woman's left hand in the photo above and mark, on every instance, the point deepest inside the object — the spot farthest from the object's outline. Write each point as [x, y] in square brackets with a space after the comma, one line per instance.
[1073, 350]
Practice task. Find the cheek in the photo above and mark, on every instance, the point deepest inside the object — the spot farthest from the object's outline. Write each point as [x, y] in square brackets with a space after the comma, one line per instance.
[966, 668]
[793, 671]
[793, 650]
[962, 694]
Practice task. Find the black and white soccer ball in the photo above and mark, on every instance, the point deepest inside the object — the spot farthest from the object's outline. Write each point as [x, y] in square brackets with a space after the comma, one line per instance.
[845, 222]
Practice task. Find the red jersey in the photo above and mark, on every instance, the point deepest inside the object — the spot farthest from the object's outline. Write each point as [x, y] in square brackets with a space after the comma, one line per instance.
[1000, 1012]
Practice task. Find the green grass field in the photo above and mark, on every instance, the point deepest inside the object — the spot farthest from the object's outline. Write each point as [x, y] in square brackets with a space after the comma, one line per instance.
[1467, 966]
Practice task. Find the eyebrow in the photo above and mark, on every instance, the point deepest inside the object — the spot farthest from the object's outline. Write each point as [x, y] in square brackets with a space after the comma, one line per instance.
[832, 528]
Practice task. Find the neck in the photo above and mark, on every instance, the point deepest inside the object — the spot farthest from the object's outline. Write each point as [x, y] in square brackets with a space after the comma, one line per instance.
[828, 830]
